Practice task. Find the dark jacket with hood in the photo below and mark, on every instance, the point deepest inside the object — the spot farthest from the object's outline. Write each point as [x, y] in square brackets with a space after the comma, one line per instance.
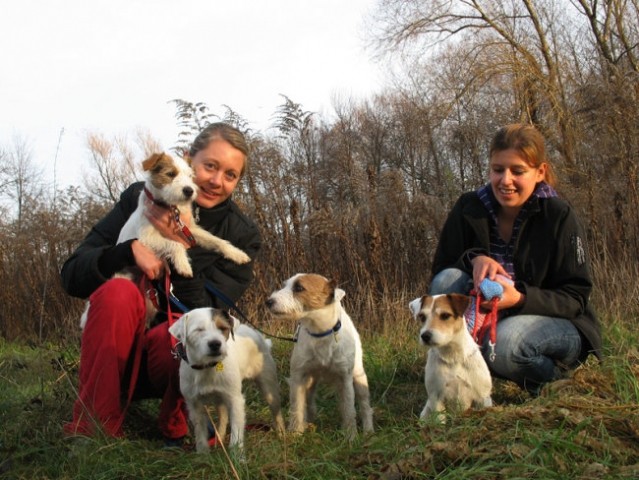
[550, 260]
[98, 257]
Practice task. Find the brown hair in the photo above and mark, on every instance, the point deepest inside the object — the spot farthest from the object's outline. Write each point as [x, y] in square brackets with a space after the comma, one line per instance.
[528, 142]
[221, 131]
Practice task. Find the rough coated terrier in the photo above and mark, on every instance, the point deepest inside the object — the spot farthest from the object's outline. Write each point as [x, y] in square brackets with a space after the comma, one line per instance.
[328, 348]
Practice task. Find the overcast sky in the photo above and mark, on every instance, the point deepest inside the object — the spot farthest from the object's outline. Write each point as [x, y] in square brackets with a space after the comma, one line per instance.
[112, 66]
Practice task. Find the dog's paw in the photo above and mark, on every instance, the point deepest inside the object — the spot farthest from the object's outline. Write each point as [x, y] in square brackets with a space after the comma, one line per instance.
[183, 268]
[235, 255]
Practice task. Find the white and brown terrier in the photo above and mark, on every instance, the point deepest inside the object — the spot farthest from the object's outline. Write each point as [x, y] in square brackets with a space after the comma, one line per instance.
[218, 353]
[456, 375]
[169, 183]
[328, 348]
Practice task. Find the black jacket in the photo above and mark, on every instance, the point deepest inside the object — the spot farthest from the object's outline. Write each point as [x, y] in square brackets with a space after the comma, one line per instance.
[98, 257]
[550, 259]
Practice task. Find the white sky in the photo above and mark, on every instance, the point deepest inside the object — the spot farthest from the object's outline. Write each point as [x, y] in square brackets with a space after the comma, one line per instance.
[112, 66]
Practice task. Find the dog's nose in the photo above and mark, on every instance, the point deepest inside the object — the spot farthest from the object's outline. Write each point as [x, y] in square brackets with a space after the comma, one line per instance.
[427, 337]
[214, 347]
[188, 192]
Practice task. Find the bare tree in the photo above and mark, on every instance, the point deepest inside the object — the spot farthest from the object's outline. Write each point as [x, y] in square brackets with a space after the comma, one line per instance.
[20, 177]
[116, 163]
[530, 41]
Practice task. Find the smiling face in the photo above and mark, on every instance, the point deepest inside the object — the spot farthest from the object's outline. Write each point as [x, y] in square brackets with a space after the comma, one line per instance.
[512, 179]
[217, 167]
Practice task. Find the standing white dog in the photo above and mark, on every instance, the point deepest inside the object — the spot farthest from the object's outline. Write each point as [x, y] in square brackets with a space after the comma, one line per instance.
[328, 347]
[456, 374]
[218, 353]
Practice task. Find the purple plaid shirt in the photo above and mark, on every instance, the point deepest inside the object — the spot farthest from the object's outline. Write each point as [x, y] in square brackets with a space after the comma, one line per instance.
[501, 251]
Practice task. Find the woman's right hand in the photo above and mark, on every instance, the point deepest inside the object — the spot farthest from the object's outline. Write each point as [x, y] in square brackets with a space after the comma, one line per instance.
[147, 260]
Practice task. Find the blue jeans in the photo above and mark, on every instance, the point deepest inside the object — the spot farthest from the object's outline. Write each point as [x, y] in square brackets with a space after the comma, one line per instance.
[531, 350]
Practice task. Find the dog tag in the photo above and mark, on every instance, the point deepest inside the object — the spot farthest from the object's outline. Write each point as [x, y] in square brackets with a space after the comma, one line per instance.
[219, 367]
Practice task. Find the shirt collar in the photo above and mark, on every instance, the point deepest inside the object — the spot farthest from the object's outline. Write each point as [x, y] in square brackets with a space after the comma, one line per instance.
[485, 193]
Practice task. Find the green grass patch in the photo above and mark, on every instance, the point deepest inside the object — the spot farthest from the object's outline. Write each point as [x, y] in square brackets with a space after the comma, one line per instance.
[586, 427]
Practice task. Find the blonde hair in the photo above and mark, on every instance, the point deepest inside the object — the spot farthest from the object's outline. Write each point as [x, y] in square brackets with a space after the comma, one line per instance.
[528, 142]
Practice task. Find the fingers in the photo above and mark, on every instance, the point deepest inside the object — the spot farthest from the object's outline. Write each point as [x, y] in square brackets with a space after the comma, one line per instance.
[155, 273]
[147, 261]
[160, 217]
[486, 267]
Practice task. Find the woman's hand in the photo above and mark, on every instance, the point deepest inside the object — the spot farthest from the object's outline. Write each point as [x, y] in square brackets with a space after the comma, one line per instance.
[147, 260]
[511, 296]
[486, 267]
[163, 221]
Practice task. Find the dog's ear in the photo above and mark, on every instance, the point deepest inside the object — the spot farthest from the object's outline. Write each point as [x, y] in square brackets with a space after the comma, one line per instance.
[335, 294]
[232, 321]
[234, 324]
[152, 161]
[459, 303]
[177, 329]
[415, 306]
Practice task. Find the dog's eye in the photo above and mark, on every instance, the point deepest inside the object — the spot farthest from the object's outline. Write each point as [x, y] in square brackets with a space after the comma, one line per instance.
[297, 288]
[171, 174]
[421, 317]
[445, 316]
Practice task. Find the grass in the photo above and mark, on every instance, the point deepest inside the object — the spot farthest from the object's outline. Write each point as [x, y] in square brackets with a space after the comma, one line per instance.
[586, 428]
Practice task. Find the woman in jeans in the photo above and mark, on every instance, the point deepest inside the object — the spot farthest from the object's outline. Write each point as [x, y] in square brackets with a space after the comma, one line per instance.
[516, 231]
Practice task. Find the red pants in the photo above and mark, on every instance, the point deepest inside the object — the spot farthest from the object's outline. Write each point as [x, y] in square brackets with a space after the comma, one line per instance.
[118, 354]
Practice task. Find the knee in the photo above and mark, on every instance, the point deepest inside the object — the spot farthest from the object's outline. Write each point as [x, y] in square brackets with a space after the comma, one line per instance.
[116, 300]
[450, 280]
[118, 292]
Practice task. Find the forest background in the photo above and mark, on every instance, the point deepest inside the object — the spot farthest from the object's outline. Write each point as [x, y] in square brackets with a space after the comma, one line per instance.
[361, 196]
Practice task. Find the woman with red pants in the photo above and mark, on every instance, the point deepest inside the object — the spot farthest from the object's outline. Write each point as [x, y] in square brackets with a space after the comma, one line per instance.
[120, 358]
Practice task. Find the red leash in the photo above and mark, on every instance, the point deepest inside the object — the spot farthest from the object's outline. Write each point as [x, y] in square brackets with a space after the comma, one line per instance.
[138, 345]
[485, 321]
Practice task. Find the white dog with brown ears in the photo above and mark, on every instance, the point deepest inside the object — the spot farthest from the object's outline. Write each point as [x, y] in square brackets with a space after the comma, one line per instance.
[328, 348]
[456, 374]
[169, 183]
[218, 353]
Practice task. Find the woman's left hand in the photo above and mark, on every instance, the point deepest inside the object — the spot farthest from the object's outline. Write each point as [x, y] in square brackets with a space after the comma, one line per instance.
[511, 296]
[164, 222]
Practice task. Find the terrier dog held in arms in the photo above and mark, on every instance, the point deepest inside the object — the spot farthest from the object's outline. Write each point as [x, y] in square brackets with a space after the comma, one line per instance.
[217, 354]
[328, 348]
[169, 183]
[456, 374]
